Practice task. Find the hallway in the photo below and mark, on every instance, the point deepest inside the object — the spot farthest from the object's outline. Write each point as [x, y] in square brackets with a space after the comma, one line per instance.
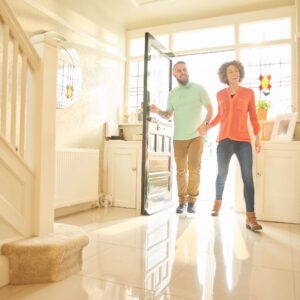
[166, 256]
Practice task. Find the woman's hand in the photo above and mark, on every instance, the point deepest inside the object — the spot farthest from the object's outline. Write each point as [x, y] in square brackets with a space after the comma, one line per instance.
[257, 144]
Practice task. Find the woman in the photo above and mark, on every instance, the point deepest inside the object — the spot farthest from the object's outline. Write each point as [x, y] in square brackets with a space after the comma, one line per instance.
[235, 103]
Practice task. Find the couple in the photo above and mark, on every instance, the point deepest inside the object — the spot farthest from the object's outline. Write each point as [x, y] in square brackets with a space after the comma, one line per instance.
[235, 103]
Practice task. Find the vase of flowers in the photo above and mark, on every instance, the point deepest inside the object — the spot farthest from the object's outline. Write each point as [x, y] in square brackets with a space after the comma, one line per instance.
[262, 107]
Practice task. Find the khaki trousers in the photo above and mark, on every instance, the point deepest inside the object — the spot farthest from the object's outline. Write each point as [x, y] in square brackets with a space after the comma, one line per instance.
[188, 163]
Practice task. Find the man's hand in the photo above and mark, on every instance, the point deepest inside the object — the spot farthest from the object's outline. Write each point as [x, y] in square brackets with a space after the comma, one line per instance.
[164, 114]
[154, 108]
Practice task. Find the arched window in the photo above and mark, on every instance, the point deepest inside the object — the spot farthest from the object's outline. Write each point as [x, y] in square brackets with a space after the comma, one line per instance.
[69, 75]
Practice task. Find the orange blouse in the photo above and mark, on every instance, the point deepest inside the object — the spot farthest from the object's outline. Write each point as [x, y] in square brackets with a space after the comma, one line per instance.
[233, 114]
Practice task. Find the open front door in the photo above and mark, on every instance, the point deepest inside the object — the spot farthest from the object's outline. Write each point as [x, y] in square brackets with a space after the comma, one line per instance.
[157, 132]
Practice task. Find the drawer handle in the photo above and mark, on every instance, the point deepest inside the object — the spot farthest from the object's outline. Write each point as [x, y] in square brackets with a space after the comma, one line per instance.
[258, 174]
[133, 169]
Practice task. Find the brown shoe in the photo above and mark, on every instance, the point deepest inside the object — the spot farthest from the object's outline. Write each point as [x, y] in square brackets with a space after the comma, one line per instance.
[251, 222]
[216, 208]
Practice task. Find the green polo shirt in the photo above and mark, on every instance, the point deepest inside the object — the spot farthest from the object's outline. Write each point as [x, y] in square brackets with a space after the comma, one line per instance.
[186, 102]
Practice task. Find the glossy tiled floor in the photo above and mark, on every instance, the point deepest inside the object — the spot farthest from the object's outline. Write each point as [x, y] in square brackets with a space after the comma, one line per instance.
[166, 256]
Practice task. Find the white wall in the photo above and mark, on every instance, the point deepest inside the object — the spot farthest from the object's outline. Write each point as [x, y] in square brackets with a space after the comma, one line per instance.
[100, 42]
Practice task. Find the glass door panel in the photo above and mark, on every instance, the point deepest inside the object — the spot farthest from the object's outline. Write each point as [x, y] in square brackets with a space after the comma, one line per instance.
[157, 133]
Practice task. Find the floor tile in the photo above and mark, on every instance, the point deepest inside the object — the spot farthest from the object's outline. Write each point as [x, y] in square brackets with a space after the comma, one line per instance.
[80, 288]
[177, 257]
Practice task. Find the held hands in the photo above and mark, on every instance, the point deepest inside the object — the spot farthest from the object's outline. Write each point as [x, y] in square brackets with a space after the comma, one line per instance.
[202, 129]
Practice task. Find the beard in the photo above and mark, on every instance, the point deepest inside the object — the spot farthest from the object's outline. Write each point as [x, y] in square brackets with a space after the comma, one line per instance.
[183, 81]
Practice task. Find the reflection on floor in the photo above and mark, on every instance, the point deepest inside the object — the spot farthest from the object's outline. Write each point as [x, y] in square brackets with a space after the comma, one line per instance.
[166, 256]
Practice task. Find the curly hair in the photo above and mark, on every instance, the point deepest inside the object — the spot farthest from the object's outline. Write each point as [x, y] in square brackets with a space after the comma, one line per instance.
[223, 70]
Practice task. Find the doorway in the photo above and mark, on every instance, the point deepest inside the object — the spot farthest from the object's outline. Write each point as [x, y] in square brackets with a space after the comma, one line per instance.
[203, 69]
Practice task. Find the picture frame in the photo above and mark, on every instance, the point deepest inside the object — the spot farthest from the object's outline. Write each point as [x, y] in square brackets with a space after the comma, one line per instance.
[284, 127]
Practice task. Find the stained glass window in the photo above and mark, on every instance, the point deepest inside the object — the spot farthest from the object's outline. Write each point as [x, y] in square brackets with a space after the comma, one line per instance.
[68, 77]
[276, 62]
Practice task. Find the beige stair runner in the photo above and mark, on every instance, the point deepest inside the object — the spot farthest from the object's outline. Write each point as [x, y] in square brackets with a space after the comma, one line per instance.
[46, 259]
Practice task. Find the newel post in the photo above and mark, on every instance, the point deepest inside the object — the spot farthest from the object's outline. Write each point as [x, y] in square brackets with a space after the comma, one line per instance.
[45, 136]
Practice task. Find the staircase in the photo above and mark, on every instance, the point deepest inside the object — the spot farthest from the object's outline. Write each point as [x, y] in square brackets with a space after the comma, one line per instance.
[27, 135]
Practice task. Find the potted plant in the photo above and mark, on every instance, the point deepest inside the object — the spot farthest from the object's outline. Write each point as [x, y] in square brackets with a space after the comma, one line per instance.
[262, 107]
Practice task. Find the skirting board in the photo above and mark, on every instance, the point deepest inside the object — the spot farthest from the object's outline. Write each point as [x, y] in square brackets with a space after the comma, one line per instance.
[68, 210]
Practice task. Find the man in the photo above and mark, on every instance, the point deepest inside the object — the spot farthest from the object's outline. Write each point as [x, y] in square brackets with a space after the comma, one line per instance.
[185, 102]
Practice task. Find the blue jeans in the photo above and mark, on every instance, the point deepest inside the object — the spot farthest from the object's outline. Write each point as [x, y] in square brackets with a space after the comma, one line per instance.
[225, 149]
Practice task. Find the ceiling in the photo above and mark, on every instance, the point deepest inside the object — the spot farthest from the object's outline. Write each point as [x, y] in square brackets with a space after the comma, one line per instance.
[94, 18]
[135, 14]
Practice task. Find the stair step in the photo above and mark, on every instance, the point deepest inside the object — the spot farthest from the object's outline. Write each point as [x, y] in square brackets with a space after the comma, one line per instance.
[48, 258]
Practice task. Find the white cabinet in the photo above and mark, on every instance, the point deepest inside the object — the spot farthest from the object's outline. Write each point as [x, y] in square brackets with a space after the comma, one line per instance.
[276, 173]
[122, 172]
[277, 185]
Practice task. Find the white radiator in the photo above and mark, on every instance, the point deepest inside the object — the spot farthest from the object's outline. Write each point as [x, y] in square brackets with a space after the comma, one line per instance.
[77, 176]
